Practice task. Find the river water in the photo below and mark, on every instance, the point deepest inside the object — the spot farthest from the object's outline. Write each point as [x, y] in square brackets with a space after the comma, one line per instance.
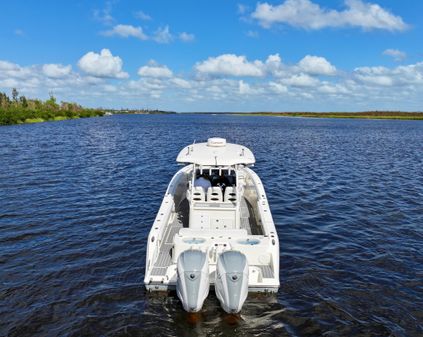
[78, 197]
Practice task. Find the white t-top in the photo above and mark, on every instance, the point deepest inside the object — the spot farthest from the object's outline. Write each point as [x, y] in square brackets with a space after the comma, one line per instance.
[216, 152]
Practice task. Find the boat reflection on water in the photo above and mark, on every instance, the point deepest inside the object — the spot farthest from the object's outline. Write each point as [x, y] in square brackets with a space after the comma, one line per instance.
[258, 315]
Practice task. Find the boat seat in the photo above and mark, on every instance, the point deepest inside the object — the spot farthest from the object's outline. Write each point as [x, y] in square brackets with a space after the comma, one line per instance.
[214, 194]
[207, 233]
[230, 194]
[198, 194]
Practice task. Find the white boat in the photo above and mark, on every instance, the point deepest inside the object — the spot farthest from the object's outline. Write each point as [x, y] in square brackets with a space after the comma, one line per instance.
[214, 229]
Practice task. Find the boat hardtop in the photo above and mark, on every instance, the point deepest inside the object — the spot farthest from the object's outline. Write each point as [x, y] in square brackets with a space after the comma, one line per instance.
[214, 229]
[216, 152]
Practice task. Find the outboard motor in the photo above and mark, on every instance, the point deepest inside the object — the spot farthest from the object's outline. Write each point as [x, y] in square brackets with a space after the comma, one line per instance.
[192, 286]
[232, 280]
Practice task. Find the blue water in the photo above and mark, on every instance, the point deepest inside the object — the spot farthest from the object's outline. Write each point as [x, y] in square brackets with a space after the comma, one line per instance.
[78, 197]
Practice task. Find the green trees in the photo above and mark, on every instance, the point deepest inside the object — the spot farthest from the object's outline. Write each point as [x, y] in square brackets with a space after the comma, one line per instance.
[20, 109]
[15, 95]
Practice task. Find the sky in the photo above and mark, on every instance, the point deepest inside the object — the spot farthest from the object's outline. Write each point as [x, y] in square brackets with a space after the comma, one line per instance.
[187, 56]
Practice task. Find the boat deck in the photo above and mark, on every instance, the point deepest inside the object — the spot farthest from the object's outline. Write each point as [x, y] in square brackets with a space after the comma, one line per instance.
[164, 260]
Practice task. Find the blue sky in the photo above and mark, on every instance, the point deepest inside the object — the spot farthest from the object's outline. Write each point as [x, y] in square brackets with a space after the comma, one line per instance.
[285, 55]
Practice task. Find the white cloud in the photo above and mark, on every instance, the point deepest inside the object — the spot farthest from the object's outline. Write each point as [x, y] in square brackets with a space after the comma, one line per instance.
[316, 65]
[252, 33]
[374, 75]
[215, 89]
[396, 54]
[186, 37]
[102, 65]
[56, 70]
[244, 88]
[160, 35]
[163, 35]
[155, 70]
[104, 15]
[301, 80]
[409, 75]
[126, 31]
[332, 89]
[7, 66]
[273, 65]
[242, 9]
[109, 88]
[239, 66]
[275, 85]
[308, 15]
[9, 83]
[12, 70]
[142, 16]
[181, 83]
[230, 65]
[278, 88]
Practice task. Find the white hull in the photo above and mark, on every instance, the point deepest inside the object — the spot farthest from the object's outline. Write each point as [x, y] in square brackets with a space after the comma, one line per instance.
[243, 224]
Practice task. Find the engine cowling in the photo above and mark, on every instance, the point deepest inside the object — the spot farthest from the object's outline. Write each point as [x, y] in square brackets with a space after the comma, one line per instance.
[231, 284]
[192, 286]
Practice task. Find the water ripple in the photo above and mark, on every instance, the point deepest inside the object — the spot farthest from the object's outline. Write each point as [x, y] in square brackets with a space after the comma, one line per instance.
[77, 199]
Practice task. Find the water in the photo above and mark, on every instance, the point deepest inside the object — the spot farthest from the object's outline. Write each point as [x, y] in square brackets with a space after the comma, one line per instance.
[77, 199]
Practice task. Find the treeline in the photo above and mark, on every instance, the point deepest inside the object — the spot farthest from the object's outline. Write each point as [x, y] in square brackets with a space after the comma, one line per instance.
[19, 109]
[139, 111]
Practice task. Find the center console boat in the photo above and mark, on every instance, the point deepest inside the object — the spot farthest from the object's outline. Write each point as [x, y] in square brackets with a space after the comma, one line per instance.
[214, 229]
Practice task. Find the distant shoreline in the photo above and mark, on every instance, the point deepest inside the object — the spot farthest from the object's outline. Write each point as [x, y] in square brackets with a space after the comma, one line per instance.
[398, 115]
[381, 115]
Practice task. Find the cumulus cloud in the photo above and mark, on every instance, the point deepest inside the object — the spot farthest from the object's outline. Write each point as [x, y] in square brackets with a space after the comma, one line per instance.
[301, 80]
[10, 70]
[56, 70]
[274, 67]
[142, 16]
[244, 88]
[181, 83]
[316, 65]
[126, 31]
[163, 35]
[396, 54]
[278, 88]
[186, 37]
[230, 65]
[38, 80]
[102, 65]
[154, 70]
[332, 89]
[104, 15]
[309, 15]
[8, 66]
[236, 84]
[239, 66]
[409, 75]
[374, 75]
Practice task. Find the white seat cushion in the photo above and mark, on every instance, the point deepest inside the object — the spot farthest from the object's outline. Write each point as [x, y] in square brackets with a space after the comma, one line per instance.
[213, 232]
[214, 194]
